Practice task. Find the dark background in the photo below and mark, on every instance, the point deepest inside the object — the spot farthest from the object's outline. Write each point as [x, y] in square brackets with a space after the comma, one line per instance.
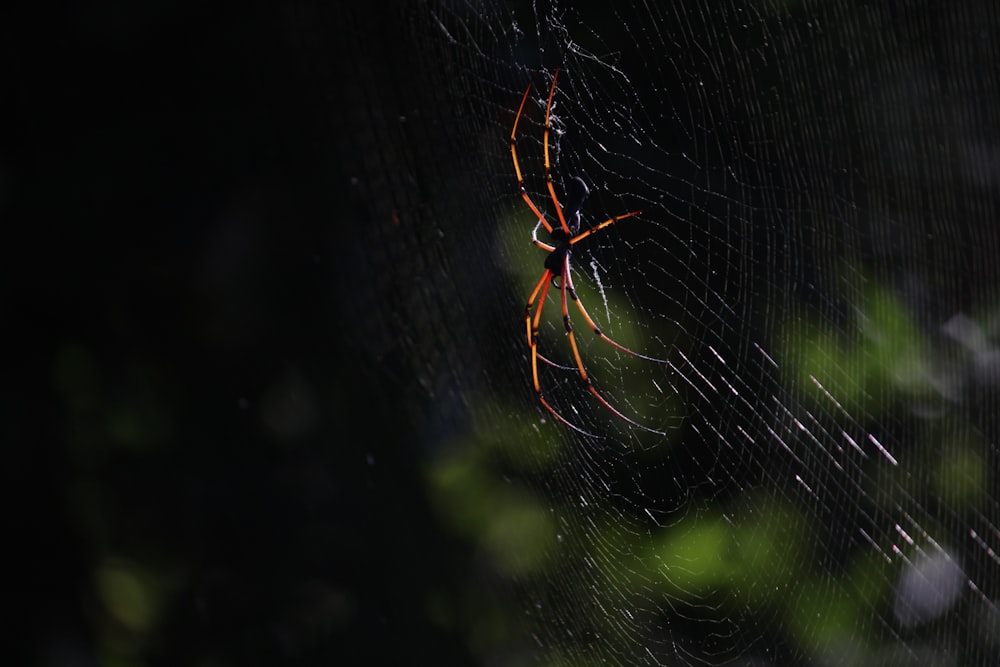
[194, 425]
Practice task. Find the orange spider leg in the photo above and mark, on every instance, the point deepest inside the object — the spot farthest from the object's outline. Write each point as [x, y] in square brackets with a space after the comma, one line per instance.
[531, 300]
[543, 285]
[517, 166]
[565, 286]
[533, 340]
[527, 317]
[548, 166]
[606, 223]
[597, 330]
[579, 304]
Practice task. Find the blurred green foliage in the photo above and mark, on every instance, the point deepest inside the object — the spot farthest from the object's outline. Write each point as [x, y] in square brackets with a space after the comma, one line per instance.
[881, 351]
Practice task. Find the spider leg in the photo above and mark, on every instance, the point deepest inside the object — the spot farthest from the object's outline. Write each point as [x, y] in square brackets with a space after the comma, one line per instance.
[565, 287]
[548, 164]
[555, 365]
[579, 304]
[607, 223]
[532, 333]
[534, 239]
[517, 166]
[532, 325]
[596, 329]
[527, 320]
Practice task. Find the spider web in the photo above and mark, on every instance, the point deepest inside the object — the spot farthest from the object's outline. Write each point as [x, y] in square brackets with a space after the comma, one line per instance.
[816, 264]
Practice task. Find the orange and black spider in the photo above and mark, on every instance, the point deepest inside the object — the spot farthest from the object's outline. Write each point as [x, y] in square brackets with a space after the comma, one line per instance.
[557, 267]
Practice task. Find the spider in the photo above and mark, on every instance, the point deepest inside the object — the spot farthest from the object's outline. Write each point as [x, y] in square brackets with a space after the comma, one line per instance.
[564, 236]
